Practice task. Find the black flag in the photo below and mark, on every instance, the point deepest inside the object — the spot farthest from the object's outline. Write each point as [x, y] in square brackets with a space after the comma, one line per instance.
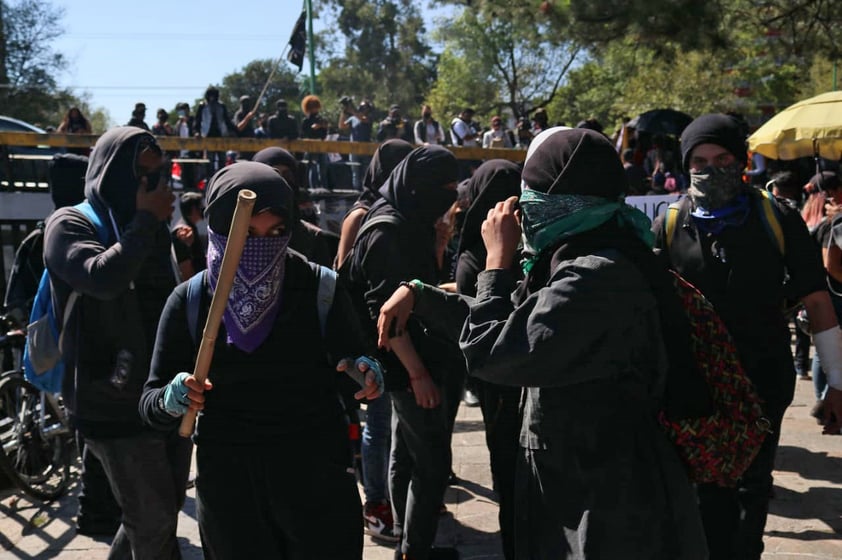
[298, 41]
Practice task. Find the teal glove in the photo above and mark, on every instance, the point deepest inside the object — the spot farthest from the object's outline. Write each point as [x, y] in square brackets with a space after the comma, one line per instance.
[372, 365]
[175, 401]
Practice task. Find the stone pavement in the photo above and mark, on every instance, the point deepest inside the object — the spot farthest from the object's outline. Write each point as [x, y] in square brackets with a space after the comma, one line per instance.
[805, 520]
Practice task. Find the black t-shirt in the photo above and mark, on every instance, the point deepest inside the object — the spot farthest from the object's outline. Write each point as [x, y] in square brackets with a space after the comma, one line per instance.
[743, 273]
[826, 234]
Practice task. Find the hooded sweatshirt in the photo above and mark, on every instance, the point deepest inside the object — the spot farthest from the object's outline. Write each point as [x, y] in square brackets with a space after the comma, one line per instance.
[389, 254]
[123, 283]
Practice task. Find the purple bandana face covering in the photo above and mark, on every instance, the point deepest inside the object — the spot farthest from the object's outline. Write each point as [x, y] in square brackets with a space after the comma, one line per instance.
[256, 294]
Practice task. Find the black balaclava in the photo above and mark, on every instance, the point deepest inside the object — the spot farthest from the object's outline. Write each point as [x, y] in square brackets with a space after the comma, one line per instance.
[416, 186]
[273, 193]
[492, 182]
[388, 155]
[246, 103]
[281, 108]
[212, 95]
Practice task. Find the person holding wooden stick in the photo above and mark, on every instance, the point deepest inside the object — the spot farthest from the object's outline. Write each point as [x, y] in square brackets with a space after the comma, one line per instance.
[273, 455]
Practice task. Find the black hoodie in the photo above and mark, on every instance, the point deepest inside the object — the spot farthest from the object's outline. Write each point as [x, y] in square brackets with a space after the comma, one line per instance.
[123, 284]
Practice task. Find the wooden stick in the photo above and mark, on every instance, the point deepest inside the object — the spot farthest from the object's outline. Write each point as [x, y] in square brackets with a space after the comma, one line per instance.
[230, 261]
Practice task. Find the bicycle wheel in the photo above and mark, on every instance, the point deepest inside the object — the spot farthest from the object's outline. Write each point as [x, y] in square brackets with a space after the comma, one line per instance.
[35, 439]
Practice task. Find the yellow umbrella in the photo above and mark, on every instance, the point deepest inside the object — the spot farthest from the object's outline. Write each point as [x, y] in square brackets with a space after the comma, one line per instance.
[801, 130]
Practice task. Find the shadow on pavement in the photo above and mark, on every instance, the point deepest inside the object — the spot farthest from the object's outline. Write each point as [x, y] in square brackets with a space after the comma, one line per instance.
[824, 504]
[809, 464]
[33, 519]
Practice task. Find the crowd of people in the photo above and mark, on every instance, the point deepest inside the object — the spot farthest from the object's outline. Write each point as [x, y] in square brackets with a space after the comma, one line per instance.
[535, 282]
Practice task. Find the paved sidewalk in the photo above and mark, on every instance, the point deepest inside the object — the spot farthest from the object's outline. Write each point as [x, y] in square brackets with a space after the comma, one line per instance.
[805, 520]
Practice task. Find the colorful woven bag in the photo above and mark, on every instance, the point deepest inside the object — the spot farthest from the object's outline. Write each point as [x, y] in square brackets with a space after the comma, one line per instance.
[720, 447]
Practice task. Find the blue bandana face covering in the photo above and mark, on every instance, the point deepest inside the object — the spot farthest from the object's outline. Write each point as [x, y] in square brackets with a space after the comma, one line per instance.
[255, 298]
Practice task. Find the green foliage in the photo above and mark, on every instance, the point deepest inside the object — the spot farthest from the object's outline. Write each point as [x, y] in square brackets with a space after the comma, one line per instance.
[63, 100]
[379, 52]
[492, 63]
[250, 81]
[28, 61]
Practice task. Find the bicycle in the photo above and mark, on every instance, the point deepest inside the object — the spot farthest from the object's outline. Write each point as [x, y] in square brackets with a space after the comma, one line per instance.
[35, 434]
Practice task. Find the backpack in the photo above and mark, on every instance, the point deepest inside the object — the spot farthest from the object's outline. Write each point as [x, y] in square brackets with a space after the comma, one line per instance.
[720, 447]
[43, 366]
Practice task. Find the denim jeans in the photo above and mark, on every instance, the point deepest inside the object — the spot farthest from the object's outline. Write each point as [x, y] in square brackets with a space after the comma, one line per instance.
[819, 378]
[376, 443]
[148, 475]
[316, 170]
[358, 171]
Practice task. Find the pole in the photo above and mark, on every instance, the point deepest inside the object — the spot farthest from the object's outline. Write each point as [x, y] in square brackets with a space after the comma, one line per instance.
[834, 75]
[309, 4]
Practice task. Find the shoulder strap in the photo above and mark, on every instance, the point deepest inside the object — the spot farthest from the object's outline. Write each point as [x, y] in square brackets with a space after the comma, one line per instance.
[325, 293]
[459, 139]
[769, 215]
[194, 299]
[670, 221]
[89, 212]
[370, 224]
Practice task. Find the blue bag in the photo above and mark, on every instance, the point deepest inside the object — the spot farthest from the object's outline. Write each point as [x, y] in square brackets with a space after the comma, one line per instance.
[43, 366]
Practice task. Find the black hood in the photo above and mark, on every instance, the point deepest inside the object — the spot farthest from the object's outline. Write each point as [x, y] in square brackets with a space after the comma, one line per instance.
[492, 182]
[273, 193]
[388, 155]
[416, 186]
[110, 182]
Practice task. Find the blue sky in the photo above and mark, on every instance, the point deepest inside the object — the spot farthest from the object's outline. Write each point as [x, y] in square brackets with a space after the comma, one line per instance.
[165, 51]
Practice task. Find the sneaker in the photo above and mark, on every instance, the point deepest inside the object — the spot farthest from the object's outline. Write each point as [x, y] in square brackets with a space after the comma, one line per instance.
[469, 398]
[378, 521]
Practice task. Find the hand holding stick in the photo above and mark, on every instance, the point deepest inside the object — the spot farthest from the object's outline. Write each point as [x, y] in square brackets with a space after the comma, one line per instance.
[230, 260]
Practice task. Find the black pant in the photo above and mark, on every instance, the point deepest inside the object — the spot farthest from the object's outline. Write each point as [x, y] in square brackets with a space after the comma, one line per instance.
[501, 416]
[98, 509]
[802, 352]
[420, 465]
[148, 475]
[288, 503]
[735, 518]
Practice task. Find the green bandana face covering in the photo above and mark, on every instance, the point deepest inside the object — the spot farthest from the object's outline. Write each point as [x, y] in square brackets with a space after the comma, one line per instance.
[548, 219]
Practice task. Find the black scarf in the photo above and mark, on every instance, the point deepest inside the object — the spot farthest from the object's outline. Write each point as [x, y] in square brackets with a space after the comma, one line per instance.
[388, 155]
[416, 186]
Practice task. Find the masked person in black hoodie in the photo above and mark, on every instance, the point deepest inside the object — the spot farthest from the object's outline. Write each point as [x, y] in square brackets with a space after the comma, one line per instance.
[494, 181]
[109, 335]
[273, 456]
[318, 245]
[583, 333]
[388, 155]
[597, 478]
[419, 191]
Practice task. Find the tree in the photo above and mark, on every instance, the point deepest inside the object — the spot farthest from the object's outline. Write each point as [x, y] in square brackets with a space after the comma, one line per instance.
[250, 81]
[385, 58]
[28, 64]
[493, 62]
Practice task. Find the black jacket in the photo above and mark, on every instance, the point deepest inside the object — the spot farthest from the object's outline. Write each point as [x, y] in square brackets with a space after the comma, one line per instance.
[123, 284]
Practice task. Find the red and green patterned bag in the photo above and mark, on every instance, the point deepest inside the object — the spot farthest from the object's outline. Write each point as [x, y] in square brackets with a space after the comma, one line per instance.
[720, 447]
